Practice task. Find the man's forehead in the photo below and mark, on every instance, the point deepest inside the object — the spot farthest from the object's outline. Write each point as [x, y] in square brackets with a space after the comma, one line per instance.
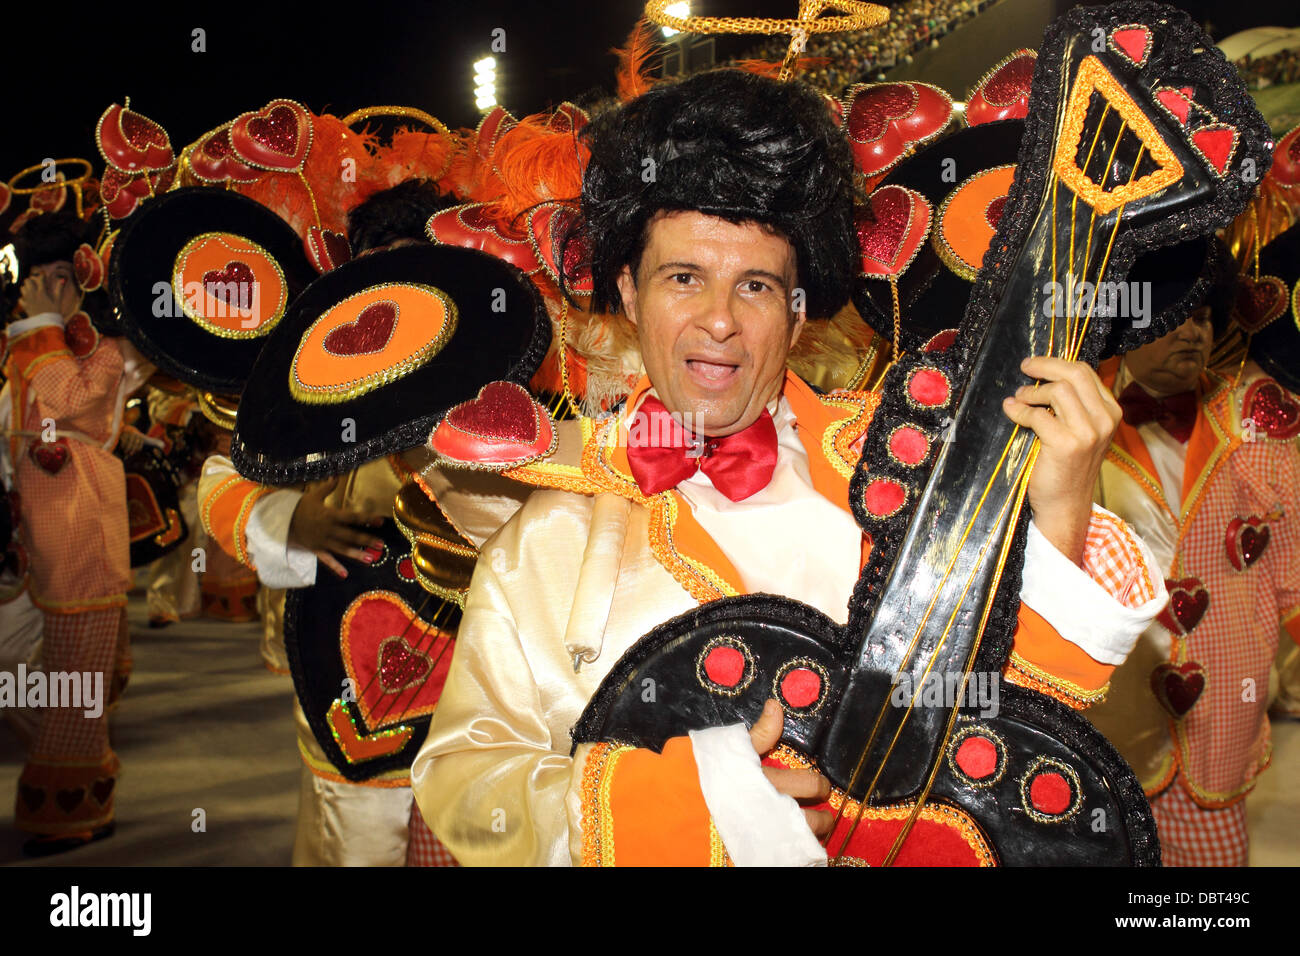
[697, 235]
[58, 265]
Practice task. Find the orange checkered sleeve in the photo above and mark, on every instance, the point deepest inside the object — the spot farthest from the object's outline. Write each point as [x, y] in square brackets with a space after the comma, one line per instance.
[1042, 660]
[73, 391]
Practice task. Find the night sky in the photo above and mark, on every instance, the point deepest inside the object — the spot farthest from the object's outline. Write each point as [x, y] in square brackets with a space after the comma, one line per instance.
[66, 63]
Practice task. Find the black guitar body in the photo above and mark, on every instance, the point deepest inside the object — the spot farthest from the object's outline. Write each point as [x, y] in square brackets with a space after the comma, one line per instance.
[662, 688]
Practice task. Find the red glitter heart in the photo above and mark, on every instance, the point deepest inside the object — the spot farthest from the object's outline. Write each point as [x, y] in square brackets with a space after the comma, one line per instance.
[501, 427]
[1272, 410]
[80, 335]
[1258, 302]
[502, 411]
[1010, 83]
[277, 131]
[50, 199]
[131, 142]
[88, 268]
[276, 137]
[216, 160]
[1246, 540]
[234, 282]
[1177, 688]
[993, 212]
[368, 333]
[327, 249]
[871, 111]
[50, 456]
[1188, 602]
[898, 224]
[400, 665]
[886, 121]
[473, 227]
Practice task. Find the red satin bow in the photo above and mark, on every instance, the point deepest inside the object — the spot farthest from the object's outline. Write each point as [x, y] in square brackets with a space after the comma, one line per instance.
[662, 454]
[1176, 414]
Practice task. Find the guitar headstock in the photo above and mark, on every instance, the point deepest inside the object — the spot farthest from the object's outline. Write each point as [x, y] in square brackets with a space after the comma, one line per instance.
[1139, 135]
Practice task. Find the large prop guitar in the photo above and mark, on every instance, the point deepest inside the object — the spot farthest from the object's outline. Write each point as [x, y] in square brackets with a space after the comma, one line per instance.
[1139, 134]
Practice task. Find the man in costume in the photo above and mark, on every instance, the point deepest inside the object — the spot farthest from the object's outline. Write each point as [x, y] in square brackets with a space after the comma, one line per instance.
[720, 215]
[66, 401]
[1208, 472]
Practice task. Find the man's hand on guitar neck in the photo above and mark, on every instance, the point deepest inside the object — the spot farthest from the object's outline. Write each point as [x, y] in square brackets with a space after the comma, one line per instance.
[1074, 417]
[805, 786]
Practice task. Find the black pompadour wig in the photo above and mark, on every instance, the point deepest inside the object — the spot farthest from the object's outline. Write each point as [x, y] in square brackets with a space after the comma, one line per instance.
[50, 237]
[399, 212]
[730, 144]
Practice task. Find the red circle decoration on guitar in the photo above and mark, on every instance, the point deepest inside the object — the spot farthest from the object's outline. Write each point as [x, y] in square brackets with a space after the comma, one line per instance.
[229, 285]
[968, 218]
[369, 339]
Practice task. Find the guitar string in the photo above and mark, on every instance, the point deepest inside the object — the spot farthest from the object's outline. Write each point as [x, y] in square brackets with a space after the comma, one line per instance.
[1072, 350]
[1072, 354]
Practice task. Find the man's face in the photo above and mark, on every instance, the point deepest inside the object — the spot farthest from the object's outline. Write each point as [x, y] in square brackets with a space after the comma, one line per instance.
[1173, 363]
[711, 303]
[60, 282]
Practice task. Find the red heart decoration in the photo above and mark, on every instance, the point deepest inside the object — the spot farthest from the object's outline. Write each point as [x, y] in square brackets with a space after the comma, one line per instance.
[50, 199]
[887, 121]
[6, 197]
[1178, 688]
[1133, 41]
[1003, 93]
[132, 143]
[236, 279]
[568, 118]
[1188, 602]
[122, 192]
[327, 249]
[1285, 170]
[397, 661]
[494, 123]
[901, 223]
[1216, 143]
[50, 456]
[502, 427]
[550, 225]
[102, 789]
[1272, 410]
[87, 267]
[470, 226]
[81, 335]
[214, 160]
[1246, 540]
[276, 137]
[31, 796]
[368, 333]
[70, 798]
[1258, 302]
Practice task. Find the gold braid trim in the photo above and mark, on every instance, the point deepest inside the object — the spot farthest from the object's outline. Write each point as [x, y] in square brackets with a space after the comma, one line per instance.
[1019, 671]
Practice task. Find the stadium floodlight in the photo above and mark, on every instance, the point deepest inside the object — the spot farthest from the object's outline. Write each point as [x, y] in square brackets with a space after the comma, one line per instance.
[485, 83]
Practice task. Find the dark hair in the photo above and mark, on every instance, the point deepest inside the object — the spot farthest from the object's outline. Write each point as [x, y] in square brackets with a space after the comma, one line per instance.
[400, 212]
[730, 144]
[50, 237]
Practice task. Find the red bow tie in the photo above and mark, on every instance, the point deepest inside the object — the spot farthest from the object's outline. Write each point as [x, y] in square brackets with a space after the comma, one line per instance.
[1176, 414]
[662, 454]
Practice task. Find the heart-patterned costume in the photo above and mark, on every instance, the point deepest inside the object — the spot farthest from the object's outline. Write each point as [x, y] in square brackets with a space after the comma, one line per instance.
[1188, 707]
[74, 527]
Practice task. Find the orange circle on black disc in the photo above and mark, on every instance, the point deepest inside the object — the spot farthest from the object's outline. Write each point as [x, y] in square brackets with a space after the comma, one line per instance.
[968, 218]
[371, 338]
[229, 285]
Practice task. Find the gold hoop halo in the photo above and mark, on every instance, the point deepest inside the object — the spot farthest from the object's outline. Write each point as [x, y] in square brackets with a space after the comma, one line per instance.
[29, 190]
[856, 16]
[408, 112]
